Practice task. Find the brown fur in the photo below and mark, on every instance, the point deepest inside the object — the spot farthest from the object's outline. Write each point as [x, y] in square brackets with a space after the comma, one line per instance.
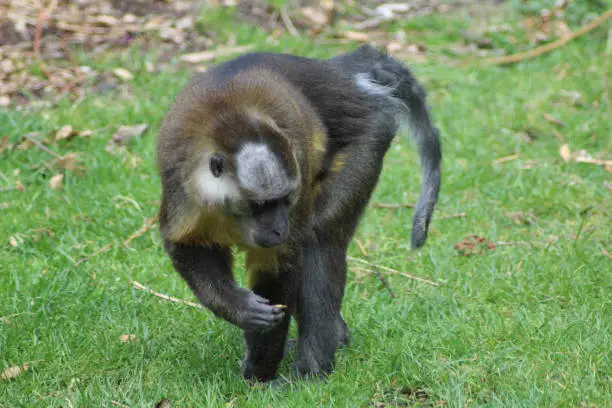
[198, 123]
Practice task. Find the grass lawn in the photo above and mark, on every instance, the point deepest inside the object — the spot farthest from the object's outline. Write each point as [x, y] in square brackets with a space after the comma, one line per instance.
[527, 324]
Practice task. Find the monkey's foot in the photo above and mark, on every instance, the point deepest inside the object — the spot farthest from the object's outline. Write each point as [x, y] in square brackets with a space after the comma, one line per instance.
[309, 367]
[257, 372]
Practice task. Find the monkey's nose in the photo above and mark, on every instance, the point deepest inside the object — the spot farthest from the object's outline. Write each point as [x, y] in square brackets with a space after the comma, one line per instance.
[271, 238]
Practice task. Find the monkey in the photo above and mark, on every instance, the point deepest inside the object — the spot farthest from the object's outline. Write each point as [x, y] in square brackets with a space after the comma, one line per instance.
[277, 155]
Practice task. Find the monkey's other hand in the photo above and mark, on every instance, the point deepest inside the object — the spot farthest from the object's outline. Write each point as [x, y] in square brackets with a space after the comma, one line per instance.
[258, 314]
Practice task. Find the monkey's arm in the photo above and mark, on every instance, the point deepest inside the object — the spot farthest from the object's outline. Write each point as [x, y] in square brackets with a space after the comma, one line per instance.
[207, 270]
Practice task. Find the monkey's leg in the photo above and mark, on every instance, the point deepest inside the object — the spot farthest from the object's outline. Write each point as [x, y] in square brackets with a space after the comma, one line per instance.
[339, 207]
[321, 329]
[265, 350]
[207, 270]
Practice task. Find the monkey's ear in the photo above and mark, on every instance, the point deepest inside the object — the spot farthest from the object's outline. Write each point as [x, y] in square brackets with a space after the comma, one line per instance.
[217, 162]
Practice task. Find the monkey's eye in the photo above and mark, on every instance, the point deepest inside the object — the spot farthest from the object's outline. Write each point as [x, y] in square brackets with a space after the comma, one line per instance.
[216, 165]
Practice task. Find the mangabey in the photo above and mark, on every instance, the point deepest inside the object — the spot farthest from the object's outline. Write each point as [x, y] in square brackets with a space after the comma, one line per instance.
[278, 155]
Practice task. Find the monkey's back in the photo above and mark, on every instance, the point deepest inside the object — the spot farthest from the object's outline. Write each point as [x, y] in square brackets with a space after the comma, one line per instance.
[344, 108]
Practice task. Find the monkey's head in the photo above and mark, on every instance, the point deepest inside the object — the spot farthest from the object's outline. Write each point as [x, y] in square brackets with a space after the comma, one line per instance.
[250, 174]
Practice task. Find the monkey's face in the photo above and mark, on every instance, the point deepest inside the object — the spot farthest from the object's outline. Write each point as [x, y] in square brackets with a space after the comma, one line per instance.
[255, 188]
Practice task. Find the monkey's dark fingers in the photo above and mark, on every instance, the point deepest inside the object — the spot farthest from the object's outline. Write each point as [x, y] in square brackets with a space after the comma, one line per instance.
[260, 299]
[264, 309]
[261, 322]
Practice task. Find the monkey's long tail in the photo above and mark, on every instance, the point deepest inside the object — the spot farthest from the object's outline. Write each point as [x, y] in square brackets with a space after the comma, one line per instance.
[391, 73]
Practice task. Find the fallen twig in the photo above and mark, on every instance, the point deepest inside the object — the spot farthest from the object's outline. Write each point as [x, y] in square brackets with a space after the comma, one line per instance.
[590, 160]
[551, 119]
[288, 23]
[148, 224]
[394, 206]
[606, 253]
[373, 22]
[505, 159]
[394, 271]
[98, 252]
[376, 271]
[446, 217]
[41, 146]
[509, 59]
[118, 404]
[508, 243]
[140, 286]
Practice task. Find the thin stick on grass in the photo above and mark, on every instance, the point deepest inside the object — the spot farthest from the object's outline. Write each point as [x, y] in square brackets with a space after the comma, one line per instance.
[505, 159]
[394, 271]
[606, 253]
[118, 404]
[41, 146]
[98, 252]
[449, 216]
[140, 286]
[510, 59]
[510, 243]
[148, 224]
[376, 271]
[393, 206]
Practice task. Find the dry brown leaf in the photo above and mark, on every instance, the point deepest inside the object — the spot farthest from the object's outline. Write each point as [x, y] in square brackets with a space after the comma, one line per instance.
[15, 240]
[56, 182]
[204, 56]
[71, 162]
[123, 74]
[5, 144]
[565, 153]
[13, 372]
[66, 132]
[164, 403]
[314, 17]
[123, 135]
[126, 338]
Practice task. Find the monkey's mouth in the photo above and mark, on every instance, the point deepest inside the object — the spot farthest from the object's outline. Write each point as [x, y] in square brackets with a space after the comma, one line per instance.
[270, 239]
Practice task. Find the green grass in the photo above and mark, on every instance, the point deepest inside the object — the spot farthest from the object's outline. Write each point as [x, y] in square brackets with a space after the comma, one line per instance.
[525, 325]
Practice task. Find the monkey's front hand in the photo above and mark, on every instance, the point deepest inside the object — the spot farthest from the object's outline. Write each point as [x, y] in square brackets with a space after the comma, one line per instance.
[258, 314]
